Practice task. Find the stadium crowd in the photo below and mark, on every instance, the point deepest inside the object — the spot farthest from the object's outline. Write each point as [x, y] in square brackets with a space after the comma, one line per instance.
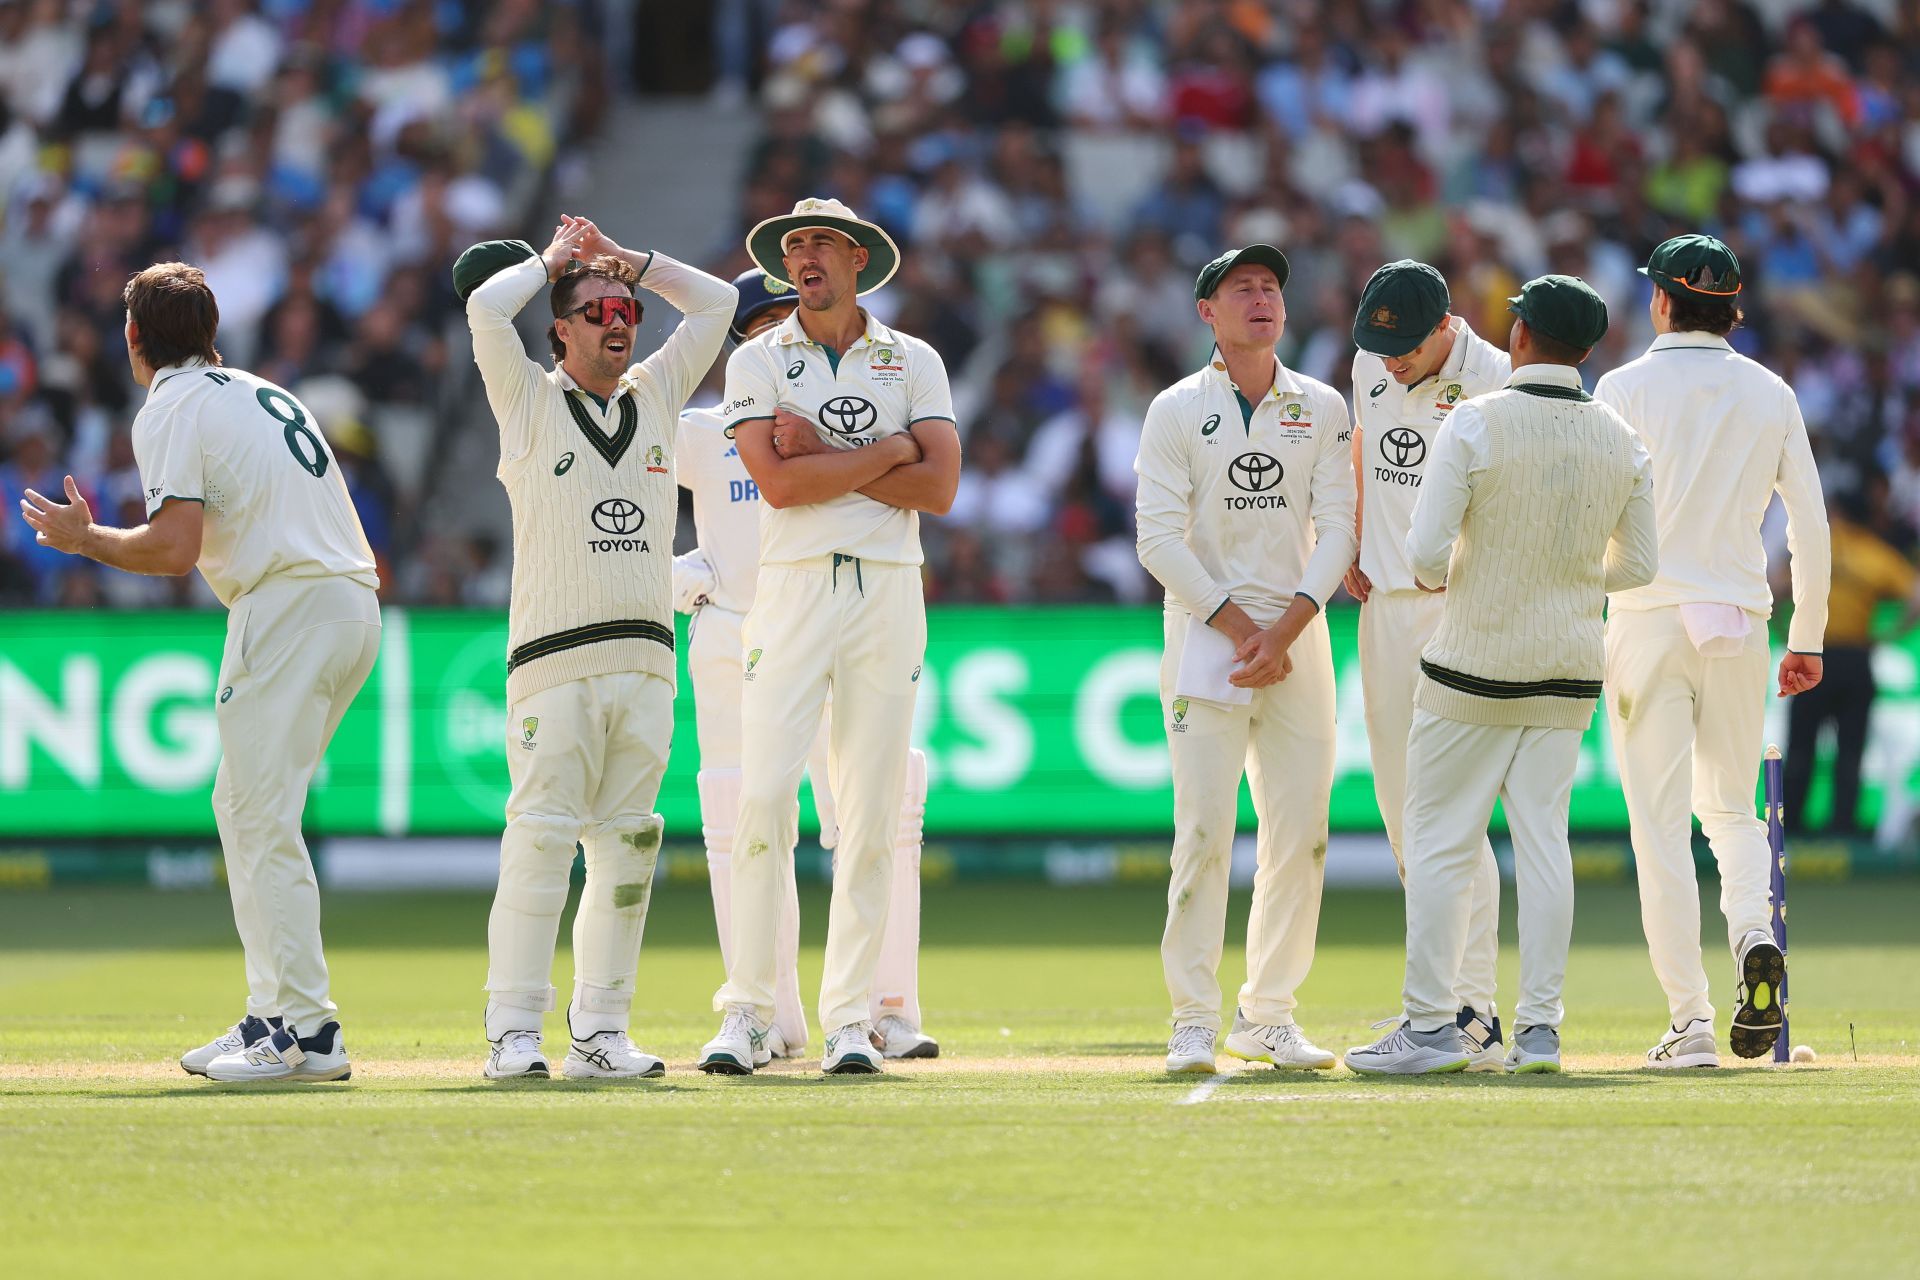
[1054, 171]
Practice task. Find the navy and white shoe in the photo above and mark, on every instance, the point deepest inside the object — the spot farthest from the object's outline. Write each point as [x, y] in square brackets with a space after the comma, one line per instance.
[1756, 1022]
[286, 1055]
[1688, 1046]
[248, 1031]
[516, 1055]
[1486, 1051]
[610, 1055]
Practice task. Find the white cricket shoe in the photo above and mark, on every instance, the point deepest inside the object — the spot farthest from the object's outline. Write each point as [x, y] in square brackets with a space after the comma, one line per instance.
[775, 1043]
[249, 1030]
[739, 1048]
[517, 1055]
[1190, 1051]
[851, 1051]
[285, 1055]
[1758, 1013]
[1535, 1049]
[1486, 1051]
[1282, 1046]
[610, 1055]
[901, 1039]
[1406, 1052]
[1689, 1046]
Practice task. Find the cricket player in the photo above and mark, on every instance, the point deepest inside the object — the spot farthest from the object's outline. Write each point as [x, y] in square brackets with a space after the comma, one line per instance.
[239, 481]
[1416, 363]
[846, 428]
[1246, 517]
[1687, 654]
[1536, 502]
[714, 583]
[586, 462]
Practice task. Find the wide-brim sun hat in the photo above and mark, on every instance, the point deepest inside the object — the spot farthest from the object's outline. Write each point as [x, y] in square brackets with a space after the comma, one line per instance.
[765, 242]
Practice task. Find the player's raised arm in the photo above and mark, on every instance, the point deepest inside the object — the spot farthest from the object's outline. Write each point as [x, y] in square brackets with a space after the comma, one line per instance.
[497, 278]
[705, 301]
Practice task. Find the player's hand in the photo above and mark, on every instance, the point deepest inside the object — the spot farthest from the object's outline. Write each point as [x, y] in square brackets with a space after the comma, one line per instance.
[60, 525]
[795, 437]
[1432, 591]
[1263, 660]
[1359, 586]
[568, 241]
[1799, 672]
[596, 242]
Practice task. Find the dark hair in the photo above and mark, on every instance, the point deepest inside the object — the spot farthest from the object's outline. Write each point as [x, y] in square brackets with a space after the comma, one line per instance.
[1556, 351]
[175, 314]
[604, 267]
[1692, 314]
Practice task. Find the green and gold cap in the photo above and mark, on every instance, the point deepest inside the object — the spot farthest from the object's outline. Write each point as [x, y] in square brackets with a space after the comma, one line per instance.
[1564, 308]
[1399, 307]
[1699, 265]
[485, 260]
[1261, 255]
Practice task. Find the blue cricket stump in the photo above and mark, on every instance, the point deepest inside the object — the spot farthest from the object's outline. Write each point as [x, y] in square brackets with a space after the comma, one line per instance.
[1777, 889]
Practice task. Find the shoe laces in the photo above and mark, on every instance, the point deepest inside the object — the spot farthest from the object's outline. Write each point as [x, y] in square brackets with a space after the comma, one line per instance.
[894, 1025]
[1395, 1041]
[862, 1032]
[741, 1025]
[1192, 1039]
[515, 1040]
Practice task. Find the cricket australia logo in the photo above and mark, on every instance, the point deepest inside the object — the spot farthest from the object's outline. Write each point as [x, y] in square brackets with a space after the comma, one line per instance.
[753, 660]
[1254, 474]
[1180, 706]
[529, 727]
[656, 460]
[1293, 412]
[848, 415]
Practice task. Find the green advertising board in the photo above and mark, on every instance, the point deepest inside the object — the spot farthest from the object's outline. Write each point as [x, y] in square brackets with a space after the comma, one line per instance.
[1035, 720]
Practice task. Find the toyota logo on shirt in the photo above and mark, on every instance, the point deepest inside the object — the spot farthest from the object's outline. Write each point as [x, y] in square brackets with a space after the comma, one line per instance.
[1254, 474]
[847, 415]
[1403, 447]
[622, 519]
[618, 516]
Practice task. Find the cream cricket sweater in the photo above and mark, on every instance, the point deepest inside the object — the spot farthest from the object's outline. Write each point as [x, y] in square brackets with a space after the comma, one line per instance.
[591, 485]
[1538, 500]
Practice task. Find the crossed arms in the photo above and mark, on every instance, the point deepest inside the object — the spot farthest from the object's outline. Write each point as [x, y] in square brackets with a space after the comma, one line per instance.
[916, 470]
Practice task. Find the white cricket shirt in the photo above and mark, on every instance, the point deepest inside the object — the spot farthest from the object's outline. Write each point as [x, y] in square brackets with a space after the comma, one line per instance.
[1241, 501]
[726, 506]
[883, 384]
[1724, 434]
[276, 504]
[1397, 426]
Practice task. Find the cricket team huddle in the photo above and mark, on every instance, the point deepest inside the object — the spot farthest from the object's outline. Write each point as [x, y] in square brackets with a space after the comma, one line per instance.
[1521, 548]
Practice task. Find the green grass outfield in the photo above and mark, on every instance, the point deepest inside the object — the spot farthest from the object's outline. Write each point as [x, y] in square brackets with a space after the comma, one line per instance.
[1046, 1142]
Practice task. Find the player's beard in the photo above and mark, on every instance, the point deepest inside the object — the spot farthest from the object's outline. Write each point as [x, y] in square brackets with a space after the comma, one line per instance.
[607, 364]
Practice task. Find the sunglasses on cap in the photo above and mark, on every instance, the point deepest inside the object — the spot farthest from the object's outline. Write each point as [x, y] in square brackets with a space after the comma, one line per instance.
[604, 311]
[1702, 279]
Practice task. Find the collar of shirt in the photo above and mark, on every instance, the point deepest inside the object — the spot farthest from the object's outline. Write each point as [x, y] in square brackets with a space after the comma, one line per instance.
[1550, 375]
[161, 375]
[789, 332]
[1695, 339]
[566, 383]
[1284, 381]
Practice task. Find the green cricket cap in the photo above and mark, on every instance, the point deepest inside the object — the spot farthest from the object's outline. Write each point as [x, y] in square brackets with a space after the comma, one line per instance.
[1260, 255]
[1564, 308]
[1400, 306]
[1698, 265]
[485, 260]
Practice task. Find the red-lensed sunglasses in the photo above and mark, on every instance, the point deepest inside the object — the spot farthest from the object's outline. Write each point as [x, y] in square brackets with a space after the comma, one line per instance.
[604, 311]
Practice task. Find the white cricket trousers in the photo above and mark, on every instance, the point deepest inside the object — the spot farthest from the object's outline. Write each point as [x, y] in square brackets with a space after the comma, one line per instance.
[297, 652]
[1455, 771]
[715, 660]
[855, 630]
[1687, 733]
[585, 760]
[1283, 742]
[1394, 628]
